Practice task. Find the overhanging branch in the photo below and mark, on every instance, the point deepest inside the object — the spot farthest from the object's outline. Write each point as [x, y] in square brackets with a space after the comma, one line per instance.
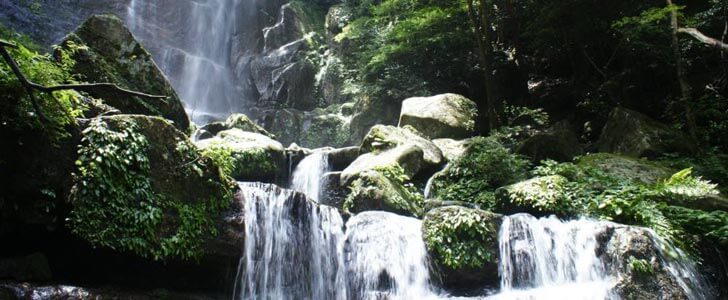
[705, 39]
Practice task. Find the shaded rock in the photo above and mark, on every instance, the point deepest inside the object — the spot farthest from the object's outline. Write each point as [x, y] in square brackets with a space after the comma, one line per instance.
[627, 168]
[409, 157]
[440, 116]
[634, 134]
[105, 51]
[311, 129]
[372, 190]
[334, 194]
[30, 291]
[253, 156]
[538, 196]
[452, 149]
[242, 122]
[558, 143]
[384, 137]
[340, 158]
[452, 246]
[33, 267]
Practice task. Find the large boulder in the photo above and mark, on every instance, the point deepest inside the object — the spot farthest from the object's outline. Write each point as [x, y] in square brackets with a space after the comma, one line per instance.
[634, 134]
[440, 116]
[382, 189]
[383, 137]
[538, 196]
[105, 51]
[463, 246]
[626, 168]
[558, 143]
[142, 187]
[409, 157]
[340, 158]
[248, 156]
[451, 149]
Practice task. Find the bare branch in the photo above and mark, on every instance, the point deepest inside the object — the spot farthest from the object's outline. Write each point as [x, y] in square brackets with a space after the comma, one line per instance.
[705, 39]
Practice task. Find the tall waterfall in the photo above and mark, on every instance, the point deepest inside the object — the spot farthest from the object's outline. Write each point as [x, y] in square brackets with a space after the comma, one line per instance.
[194, 50]
[307, 175]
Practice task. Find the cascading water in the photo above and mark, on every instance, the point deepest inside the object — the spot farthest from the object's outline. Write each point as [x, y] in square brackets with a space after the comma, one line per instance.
[197, 59]
[386, 257]
[307, 177]
[291, 247]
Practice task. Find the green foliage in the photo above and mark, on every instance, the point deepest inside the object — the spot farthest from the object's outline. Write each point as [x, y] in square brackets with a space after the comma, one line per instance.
[61, 107]
[115, 204]
[641, 267]
[460, 237]
[544, 194]
[711, 225]
[240, 164]
[474, 177]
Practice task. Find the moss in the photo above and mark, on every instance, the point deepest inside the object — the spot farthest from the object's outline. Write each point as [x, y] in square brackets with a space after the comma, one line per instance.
[142, 187]
[641, 267]
[242, 165]
[462, 238]
[327, 130]
[385, 188]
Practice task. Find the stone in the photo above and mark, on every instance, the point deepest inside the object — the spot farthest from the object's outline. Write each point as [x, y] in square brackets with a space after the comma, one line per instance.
[384, 137]
[340, 158]
[634, 134]
[441, 116]
[558, 143]
[372, 190]
[255, 157]
[540, 196]
[452, 149]
[444, 228]
[627, 168]
[242, 122]
[409, 157]
[105, 51]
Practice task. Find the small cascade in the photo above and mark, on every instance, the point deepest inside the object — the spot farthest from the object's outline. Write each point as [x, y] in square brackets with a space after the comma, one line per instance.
[386, 257]
[307, 177]
[291, 249]
[551, 259]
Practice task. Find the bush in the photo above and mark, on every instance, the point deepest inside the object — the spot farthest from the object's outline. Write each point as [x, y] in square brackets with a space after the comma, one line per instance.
[461, 237]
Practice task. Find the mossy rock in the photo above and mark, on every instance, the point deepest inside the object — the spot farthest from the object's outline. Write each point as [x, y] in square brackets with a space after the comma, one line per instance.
[325, 130]
[463, 246]
[441, 116]
[634, 134]
[383, 137]
[143, 187]
[452, 149]
[246, 156]
[408, 157]
[242, 122]
[627, 168]
[558, 143]
[538, 196]
[374, 190]
[106, 51]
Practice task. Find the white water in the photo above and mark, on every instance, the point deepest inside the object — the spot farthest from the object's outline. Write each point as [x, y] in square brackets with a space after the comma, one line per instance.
[307, 177]
[196, 58]
[551, 259]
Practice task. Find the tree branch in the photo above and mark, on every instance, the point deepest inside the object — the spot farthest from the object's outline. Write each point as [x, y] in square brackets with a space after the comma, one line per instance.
[81, 87]
[705, 39]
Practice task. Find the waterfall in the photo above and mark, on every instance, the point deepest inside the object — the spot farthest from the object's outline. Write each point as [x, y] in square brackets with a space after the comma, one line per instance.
[386, 257]
[551, 259]
[291, 247]
[194, 50]
[307, 177]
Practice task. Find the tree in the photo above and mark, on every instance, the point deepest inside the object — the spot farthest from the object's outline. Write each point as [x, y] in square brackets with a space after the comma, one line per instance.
[480, 14]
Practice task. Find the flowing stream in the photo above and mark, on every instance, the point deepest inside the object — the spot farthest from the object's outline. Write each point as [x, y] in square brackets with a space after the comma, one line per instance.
[298, 249]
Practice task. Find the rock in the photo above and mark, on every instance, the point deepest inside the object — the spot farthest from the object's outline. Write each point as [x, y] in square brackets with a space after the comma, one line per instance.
[334, 193]
[242, 122]
[431, 204]
[252, 156]
[336, 19]
[452, 149]
[540, 196]
[164, 182]
[30, 291]
[441, 116]
[634, 134]
[454, 237]
[372, 190]
[210, 130]
[634, 253]
[558, 143]
[33, 267]
[370, 112]
[105, 51]
[340, 158]
[627, 168]
[311, 129]
[383, 137]
[409, 157]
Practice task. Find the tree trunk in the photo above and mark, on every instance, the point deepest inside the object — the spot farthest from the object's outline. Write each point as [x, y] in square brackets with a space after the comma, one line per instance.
[681, 75]
[481, 23]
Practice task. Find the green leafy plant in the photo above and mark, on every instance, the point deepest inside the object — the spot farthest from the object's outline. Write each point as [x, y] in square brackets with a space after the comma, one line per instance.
[641, 267]
[460, 238]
